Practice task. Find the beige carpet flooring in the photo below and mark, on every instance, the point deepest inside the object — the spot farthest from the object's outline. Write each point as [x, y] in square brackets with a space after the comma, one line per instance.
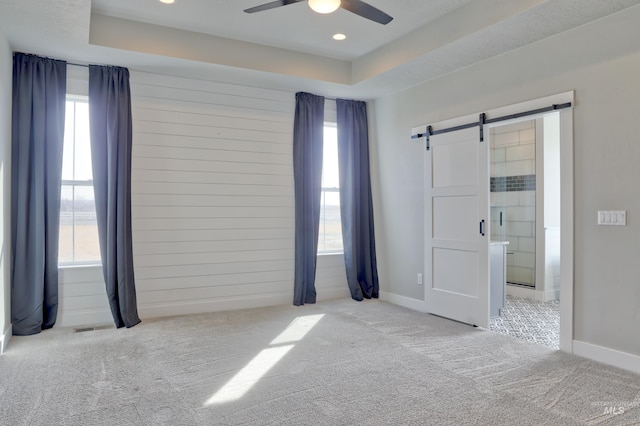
[334, 363]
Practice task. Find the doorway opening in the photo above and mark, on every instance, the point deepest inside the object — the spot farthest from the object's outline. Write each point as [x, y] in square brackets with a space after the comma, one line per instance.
[525, 217]
[457, 214]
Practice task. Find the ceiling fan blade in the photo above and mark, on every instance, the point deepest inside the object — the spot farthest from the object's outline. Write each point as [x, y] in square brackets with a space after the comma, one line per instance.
[366, 11]
[271, 5]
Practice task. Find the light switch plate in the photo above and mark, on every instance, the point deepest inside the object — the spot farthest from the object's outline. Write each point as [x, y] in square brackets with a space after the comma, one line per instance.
[612, 217]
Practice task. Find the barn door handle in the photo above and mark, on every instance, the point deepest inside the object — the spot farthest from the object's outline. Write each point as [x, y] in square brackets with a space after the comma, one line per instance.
[482, 227]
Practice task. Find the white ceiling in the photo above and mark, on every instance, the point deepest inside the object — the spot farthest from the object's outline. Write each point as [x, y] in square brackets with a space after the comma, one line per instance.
[295, 27]
[291, 46]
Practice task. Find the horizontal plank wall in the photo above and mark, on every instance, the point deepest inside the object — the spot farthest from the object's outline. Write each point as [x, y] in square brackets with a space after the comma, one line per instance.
[331, 277]
[82, 298]
[213, 224]
[213, 208]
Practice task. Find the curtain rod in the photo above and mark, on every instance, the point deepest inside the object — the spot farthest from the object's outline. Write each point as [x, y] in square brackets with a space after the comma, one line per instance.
[335, 99]
[78, 65]
[86, 65]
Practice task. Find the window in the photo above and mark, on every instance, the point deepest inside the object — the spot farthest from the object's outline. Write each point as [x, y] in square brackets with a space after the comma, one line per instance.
[330, 234]
[78, 226]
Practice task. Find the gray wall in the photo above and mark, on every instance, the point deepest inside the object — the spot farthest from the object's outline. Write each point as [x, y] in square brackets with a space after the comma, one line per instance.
[6, 60]
[601, 62]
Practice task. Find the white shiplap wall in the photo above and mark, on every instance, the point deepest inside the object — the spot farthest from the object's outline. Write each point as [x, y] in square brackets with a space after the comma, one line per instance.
[213, 197]
[82, 297]
[213, 215]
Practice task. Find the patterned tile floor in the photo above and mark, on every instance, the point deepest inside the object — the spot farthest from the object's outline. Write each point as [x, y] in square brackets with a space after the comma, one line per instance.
[530, 320]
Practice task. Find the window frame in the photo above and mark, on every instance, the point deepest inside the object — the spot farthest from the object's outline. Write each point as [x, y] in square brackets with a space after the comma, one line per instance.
[73, 183]
[323, 191]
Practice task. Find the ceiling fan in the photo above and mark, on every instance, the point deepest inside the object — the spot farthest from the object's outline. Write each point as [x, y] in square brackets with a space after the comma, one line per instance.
[358, 7]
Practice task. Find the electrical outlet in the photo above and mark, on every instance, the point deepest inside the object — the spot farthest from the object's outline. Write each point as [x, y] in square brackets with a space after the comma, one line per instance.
[419, 279]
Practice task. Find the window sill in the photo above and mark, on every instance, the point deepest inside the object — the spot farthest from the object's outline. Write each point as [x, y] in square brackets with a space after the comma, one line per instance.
[79, 265]
[331, 253]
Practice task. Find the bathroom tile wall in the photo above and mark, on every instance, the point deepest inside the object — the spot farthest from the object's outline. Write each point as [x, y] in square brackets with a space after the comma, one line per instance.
[513, 194]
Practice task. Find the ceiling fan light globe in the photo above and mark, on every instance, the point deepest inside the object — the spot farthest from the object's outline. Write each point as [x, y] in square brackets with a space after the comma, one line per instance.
[324, 6]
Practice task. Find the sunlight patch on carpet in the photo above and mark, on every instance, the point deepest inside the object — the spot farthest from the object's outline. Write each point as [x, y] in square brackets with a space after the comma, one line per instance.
[298, 328]
[251, 374]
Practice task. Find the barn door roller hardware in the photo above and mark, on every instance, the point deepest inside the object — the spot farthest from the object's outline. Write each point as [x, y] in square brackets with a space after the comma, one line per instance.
[483, 120]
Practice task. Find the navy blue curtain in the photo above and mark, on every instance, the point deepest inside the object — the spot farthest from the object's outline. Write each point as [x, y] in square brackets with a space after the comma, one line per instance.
[356, 206]
[308, 128]
[37, 136]
[111, 138]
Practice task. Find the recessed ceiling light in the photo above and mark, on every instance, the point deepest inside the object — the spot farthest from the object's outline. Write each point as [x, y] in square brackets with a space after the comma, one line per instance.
[339, 36]
[167, 1]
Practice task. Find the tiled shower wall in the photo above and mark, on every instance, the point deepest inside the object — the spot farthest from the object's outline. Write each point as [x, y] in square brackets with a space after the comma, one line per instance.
[513, 185]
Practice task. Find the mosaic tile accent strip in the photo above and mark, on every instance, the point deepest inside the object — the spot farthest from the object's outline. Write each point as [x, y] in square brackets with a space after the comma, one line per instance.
[513, 183]
[530, 320]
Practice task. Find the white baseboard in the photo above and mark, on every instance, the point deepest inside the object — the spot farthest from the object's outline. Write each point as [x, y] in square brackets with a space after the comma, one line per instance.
[532, 293]
[553, 294]
[97, 317]
[608, 356]
[406, 302]
[221, 304]
[527, 293]
[333, 293]
[84, 318]
[4, 339]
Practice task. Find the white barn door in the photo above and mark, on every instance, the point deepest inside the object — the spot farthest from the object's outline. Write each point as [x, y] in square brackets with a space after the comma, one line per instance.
[456, 217]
